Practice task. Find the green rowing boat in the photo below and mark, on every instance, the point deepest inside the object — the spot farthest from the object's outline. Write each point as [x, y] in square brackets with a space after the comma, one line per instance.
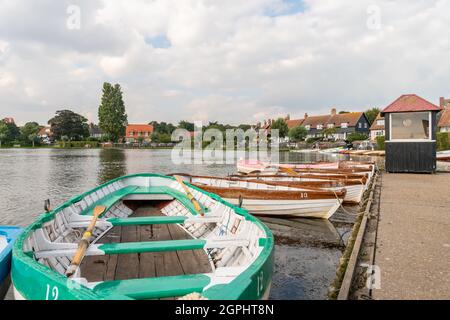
[151, 237]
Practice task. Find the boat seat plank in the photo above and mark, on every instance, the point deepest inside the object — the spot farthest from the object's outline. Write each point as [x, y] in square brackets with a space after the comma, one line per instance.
[151, 246]
[117, 195]
[146, 220]
[151, 264]
[152, 288]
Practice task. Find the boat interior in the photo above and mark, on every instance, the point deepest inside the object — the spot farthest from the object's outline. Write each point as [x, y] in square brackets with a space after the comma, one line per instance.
[150, 237]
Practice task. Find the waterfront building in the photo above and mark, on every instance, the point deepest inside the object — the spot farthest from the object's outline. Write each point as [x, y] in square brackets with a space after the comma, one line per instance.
[444, 121]
[138, 133]
[410, 123]
[377, 128]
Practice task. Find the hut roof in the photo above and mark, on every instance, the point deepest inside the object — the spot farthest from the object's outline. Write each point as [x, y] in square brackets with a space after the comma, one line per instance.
[410, 103]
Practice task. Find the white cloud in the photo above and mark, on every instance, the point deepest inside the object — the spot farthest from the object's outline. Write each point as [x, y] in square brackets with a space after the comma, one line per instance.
[228, 61]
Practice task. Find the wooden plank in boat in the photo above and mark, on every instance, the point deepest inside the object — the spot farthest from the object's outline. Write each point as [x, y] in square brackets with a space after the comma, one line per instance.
[128, 264]
[192, 261]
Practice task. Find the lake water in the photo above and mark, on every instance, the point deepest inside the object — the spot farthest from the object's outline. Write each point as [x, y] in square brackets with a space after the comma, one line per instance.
[307, 251]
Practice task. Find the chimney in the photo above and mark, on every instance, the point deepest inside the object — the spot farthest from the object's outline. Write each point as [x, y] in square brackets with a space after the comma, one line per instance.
[333, 111]
[288, 117]
[306, 115]
[442, 102]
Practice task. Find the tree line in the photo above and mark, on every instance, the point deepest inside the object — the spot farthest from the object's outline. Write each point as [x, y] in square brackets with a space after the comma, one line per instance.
[67, 125]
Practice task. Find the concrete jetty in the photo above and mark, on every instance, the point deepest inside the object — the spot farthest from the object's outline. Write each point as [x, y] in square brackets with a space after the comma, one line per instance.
[413, 240]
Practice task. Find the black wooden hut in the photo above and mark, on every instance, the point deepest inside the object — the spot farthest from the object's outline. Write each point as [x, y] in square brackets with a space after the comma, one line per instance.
[410, 123]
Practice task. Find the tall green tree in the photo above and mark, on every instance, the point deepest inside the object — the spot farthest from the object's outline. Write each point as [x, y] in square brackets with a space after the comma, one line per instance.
[70, 125]
[163, 127]
[371, 114]
[189, 126]
[298, 133]
[111, 112]
[13, 132]
[4, 132]
[282, 127]
[30, 132]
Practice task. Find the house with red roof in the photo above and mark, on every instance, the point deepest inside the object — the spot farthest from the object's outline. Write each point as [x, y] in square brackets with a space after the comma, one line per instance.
[342, 124]
[444, 120]
[138, 133]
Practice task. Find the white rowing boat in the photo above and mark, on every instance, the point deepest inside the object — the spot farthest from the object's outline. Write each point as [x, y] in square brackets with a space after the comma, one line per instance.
[261, 198]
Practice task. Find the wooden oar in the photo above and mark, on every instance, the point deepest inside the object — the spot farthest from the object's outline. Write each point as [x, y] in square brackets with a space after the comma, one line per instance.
[194, 201]
[290, 171]
[84, 243]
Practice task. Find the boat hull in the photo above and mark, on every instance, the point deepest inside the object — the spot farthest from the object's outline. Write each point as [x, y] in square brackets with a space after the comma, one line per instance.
[8, 235]
[318, 209]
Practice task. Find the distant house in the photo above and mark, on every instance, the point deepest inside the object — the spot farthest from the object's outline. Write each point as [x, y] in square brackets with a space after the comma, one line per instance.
[377, 129]
[95, 131]
[9, 120]
[45, 134]
[138, 132]
[343, 124]
[294, 123]
[444, 121]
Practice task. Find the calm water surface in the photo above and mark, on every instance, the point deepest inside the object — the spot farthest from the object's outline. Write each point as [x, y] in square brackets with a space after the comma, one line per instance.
[307, 251]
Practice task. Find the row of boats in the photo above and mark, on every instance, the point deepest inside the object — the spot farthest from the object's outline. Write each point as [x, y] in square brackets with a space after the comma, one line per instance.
[149, 236]
[342, 150]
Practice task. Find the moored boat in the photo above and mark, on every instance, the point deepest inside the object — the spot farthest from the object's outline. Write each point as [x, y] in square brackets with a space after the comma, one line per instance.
[354, 188]
[261, 198]
[144, 236]
[443, 156]
[443, 166]
[8, 235]
[254, 166]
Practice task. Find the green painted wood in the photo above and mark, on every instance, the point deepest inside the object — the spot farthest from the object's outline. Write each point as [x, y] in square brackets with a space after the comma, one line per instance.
[142, 221]
[152, 288]
[110, 199]
[152, 246]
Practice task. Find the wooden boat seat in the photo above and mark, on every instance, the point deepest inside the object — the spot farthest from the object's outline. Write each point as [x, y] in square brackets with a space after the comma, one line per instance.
[152, 288]
[148, 246]
[143, 221]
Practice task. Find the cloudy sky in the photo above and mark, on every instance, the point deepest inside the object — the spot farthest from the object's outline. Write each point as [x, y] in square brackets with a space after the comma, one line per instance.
[231, 61]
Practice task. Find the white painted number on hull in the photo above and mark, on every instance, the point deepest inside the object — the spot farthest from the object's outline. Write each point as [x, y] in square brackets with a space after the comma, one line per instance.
[260, 283]
[303, 195]
[54, 293]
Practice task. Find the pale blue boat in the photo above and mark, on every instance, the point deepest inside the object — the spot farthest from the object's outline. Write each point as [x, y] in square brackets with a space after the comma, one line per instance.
[8, 235]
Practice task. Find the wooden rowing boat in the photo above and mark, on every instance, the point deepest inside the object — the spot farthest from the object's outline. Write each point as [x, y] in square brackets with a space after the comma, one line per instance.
[156, 238]
[8, 235]
[249, 166]
[262, 198]
[443, 166]
[354, 188]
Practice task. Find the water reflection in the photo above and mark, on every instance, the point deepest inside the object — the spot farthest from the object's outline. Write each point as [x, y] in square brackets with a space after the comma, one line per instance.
[300, 231]
[112, 164]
